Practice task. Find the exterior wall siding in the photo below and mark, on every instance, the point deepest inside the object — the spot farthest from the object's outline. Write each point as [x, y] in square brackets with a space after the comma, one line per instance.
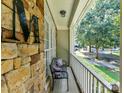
[63, 45]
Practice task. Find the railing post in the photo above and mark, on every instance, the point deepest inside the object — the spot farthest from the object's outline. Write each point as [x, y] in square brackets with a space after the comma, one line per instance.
[99, 87]
[115, 88]
[88, 77]
[84, 79]
[91, 82]
[105, 90]
[94, 90]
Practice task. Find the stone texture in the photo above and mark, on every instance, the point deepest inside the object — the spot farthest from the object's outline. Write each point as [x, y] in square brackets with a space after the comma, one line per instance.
[19, 89]
[17, 62]
[27, 14]
[29, 83]
[20, 75]
[27, 50]
[26, 60]
[17, 77]
[4, 88]
[31, 38]
[26, 4]
[38, 65]
[35, 58]
[33, 70]
[41, 83]
[37, 69]
[6, 18]
[44, 77]
[6, 66]
[42, 46]
[7, 34]
[42, 68]
[33, 49]
[40, 6]
[8, 50]
[8, 3]
[42, 34]
[42, 57]
[37, 85]
[31, 90]
[23, 49]
[34, 1]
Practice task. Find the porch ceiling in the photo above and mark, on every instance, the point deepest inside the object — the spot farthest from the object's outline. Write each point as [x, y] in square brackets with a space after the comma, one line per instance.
[70, 6]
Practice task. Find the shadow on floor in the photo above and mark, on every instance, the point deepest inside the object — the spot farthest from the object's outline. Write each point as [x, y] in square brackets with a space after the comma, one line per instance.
[61, 85]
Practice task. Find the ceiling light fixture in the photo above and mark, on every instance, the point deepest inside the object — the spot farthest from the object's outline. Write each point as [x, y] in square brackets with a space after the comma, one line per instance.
[62, 12]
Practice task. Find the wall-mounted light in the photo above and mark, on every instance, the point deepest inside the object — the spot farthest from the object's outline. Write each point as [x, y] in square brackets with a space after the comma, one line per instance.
[62, 12]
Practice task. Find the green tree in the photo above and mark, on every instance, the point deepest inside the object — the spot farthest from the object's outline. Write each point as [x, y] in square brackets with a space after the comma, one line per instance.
[101, 25]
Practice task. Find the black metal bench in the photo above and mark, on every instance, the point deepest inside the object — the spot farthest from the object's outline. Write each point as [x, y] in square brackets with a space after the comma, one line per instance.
[63, 74]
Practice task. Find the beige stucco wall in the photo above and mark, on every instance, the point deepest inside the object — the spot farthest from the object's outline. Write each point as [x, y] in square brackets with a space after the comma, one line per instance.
[63, 44]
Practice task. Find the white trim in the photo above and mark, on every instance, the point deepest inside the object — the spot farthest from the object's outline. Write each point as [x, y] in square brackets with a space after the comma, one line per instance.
[62, 28]
[71, 40]
[78, 16]
[76, 21]
[90, 4]
[51, 46]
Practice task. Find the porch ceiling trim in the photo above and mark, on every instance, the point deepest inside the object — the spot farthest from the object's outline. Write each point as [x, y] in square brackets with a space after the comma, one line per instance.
[79, 9]
[79, 17]
[67, 5]
[51, 15]
[75, 5]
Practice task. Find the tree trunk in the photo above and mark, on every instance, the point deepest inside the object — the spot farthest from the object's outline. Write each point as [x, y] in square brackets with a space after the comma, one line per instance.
[90, 48]
[97, 53]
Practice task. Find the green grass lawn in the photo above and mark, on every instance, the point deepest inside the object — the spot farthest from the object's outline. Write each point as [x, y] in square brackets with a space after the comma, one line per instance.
[111, 77]
[117, 53]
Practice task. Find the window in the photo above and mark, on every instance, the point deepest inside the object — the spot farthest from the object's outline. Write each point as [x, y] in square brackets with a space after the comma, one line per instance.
[51, 37]
[50, 47]
[46, 35]
[47, 40]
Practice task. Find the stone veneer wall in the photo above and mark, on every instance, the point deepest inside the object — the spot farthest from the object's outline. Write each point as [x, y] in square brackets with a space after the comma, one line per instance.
[22, 63]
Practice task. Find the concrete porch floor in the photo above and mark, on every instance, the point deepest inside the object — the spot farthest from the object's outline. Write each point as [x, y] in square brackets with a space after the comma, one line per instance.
[60, 86]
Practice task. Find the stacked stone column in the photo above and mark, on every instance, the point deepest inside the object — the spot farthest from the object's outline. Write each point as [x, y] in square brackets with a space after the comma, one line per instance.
[22, 63]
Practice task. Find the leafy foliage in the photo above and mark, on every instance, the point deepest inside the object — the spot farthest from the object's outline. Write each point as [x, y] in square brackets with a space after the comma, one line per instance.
[101, 25]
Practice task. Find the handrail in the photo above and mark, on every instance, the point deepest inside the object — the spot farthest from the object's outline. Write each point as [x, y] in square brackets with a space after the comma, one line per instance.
[105, 83]
[110, 87]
